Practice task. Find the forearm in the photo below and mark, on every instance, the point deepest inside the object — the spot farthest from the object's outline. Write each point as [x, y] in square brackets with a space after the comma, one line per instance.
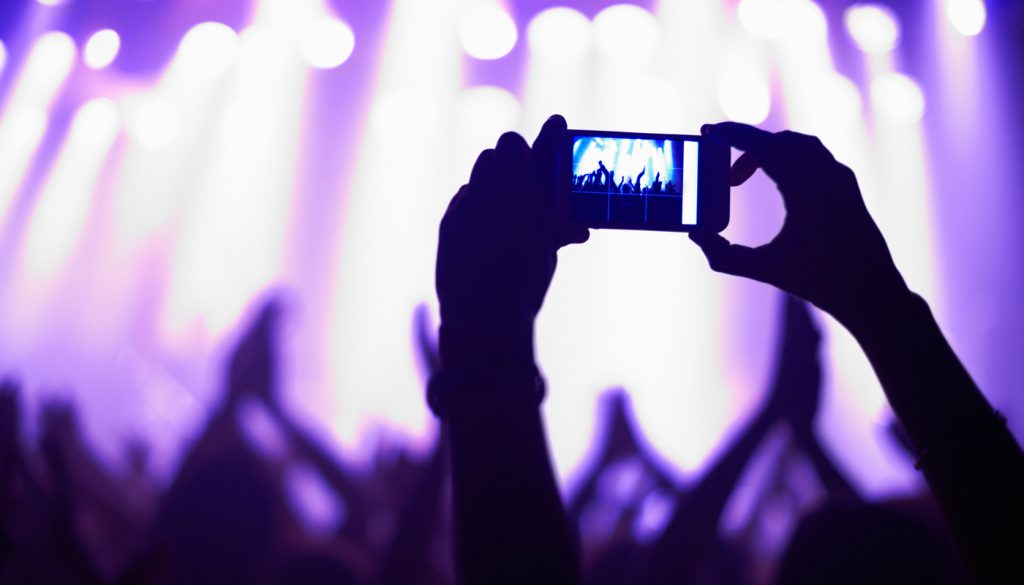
[971, 462]
[510, 523]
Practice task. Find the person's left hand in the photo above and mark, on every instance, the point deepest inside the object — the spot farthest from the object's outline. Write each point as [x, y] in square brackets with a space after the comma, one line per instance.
[252, 370]
[498, 240]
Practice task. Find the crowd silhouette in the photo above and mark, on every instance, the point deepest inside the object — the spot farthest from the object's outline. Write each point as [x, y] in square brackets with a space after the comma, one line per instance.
[601, 180]
[484, 506]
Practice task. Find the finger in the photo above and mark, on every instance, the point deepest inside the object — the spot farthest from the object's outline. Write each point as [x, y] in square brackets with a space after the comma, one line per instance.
[571, 234]
[728, 258]
[511, 152]
[741, 136]
[456, 199]
[544, 156]
[744, 168]
[483, 169]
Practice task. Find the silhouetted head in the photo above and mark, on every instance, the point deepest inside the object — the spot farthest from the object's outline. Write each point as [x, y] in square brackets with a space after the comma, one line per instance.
[848, 542]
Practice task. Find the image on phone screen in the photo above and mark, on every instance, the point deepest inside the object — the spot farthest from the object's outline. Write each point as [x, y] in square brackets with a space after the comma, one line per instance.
[637, 181]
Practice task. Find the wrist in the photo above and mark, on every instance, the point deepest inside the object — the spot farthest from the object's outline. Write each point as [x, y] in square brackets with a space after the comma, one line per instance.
[485, 343]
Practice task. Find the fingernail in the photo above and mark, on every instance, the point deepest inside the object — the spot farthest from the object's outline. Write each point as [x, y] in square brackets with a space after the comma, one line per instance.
[705, 129]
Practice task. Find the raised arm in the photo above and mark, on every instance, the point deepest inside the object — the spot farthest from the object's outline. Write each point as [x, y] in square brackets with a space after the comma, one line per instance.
[496, 256]
[830, 252]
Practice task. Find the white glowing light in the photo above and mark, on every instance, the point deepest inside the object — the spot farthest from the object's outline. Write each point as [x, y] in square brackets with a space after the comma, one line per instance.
[101, 49]
[486, 112]
[52, 2]
[3, 56]
[49, 64]
[873, 27]
[627, 32]
[967, 16]
[208, 49]
[744, 97]
[409, 113]
[327, 43]
[157, 124]
[897, 97]
[760, 18]
[559, 34]
[63, 205]
[787, 20]
[837, 95]
[487, 32]
[801, 20]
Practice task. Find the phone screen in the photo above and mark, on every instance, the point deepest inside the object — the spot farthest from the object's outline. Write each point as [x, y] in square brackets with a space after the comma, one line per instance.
[637, 181]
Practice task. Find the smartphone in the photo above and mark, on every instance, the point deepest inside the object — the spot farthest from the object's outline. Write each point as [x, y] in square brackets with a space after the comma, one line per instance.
[662, 182]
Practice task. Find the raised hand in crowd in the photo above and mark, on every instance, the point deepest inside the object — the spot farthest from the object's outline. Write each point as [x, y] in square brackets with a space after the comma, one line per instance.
[496, 257]
[830, 252]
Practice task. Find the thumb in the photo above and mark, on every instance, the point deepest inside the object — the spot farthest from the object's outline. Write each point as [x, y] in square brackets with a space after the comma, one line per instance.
[728, 258]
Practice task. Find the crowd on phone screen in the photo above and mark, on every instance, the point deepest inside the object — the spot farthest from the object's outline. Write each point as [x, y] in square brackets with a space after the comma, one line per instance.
[601, 180]
[69, 516]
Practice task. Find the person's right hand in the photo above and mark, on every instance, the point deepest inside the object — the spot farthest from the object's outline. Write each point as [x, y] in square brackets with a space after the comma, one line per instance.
[829, 250]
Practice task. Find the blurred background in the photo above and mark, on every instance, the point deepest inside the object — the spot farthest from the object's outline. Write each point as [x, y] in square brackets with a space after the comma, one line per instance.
[163, 163]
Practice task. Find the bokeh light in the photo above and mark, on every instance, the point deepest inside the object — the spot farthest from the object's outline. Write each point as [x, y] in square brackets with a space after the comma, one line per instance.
[208, 49]
[625, 32]
[873, 27]
[327, 43]
[157, 124]
[559, 34]
[101, 49]
[743, 96]
[897, 97]
[967, 16]
[487, 32]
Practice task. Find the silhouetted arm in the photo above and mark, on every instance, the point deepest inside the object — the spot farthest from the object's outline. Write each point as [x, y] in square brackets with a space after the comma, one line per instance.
[496, 256]
[830, 252]
[694, 526]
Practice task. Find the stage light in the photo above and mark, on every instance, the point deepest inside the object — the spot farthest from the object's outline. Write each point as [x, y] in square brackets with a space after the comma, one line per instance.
[3, 57]
[52, 2]
[801, 20]
[157, 124]
[101, 49]
[896, 97]
[487, 32]
[208, 49]
[559, 34]
[486, 111]
[873, 27]
[744, 97]
[760, 18]
[327, 43]
[967, 16]
[838, 97]
[64, 202]
[26, 116]
[626, 32]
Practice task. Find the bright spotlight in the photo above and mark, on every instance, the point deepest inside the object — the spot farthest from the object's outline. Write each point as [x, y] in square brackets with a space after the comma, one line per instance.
[744, 97]
[559, 34]
[838, 94]
[873, 27]
[52, 2]
[801, 20]
[486, 112]
[627, 32]
[327, 43]
[157, 124]
[967, 16]
[760, 18]
[101, 49]
[487, 32]
[897, 97]
[3, 56]
[208, 48]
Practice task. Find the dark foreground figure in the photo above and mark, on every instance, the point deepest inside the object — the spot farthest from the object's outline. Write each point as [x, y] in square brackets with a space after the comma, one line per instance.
[497, 255]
